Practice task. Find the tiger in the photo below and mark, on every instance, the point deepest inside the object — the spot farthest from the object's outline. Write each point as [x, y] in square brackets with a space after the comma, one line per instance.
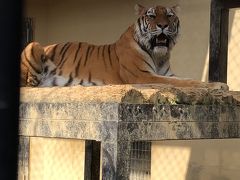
[140, 56]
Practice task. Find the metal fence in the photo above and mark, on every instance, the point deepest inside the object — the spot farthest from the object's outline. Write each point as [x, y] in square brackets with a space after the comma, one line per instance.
[140, 161]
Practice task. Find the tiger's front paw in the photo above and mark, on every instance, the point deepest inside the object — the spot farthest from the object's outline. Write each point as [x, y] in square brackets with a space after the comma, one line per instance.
[32, 81]
[218, 86]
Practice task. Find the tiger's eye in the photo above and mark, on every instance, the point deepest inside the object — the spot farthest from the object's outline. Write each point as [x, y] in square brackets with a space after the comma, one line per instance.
[169, 15]
[151, 16]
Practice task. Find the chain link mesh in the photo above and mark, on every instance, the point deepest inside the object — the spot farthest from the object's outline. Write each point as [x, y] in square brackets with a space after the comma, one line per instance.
[56, 159]
[169, 162]
[233, 50]
[140, 161]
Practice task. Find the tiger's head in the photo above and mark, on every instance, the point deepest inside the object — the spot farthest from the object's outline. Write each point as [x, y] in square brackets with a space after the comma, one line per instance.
[156, 29]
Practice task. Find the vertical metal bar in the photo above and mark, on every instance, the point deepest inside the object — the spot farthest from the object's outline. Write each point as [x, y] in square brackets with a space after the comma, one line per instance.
[92, 160]
[10, 20]
[218, 42]
[88, 160]
[96, 149]
[23, 158]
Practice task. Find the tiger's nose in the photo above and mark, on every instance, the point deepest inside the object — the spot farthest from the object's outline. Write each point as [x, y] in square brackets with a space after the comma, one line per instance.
[162, 26]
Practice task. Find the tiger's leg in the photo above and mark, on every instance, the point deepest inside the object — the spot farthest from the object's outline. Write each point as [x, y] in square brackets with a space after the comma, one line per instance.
[177, 82]
[32, 59]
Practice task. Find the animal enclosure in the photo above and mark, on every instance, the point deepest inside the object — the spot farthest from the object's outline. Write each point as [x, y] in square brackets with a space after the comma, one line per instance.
[117, 132]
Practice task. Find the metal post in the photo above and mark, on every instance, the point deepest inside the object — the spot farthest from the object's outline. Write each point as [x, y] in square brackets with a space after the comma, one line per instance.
[218, 42]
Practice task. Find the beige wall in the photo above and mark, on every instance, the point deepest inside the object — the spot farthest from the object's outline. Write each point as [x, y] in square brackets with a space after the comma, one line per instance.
[55, 158]
[233, 50]
[196, 160]
[38, 11]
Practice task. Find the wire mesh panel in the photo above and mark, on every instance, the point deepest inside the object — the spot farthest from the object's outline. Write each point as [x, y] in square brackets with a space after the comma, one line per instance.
[233, 50]
[56, 159]
[169, 162]
[140, 161]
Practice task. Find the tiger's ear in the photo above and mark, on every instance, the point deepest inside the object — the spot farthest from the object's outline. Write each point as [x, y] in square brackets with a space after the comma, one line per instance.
[139, 9]
[176, 9]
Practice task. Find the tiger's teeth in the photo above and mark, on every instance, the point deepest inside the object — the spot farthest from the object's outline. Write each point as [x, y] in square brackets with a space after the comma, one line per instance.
[162, 41]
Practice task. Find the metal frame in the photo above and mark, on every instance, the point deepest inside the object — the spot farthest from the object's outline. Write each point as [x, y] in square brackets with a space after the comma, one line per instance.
[219, 20]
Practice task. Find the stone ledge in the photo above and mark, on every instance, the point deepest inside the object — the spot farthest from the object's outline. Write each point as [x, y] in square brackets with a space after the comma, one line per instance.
[156, 94]
[102, 112]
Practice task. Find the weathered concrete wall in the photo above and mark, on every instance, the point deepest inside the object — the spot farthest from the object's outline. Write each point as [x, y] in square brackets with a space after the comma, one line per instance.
[118, 115]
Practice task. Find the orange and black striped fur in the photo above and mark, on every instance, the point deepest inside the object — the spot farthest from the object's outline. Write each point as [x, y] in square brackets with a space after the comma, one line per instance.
[141, 55]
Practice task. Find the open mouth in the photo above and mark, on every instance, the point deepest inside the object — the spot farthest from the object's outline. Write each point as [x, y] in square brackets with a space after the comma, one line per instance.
[161, 40]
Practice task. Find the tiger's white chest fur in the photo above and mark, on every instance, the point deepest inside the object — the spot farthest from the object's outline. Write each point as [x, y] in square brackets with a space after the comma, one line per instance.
[62, 81]
[48, 79]
[163, 69]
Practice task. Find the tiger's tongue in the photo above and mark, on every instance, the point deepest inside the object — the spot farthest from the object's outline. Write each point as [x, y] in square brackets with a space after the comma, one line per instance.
[161, 40]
